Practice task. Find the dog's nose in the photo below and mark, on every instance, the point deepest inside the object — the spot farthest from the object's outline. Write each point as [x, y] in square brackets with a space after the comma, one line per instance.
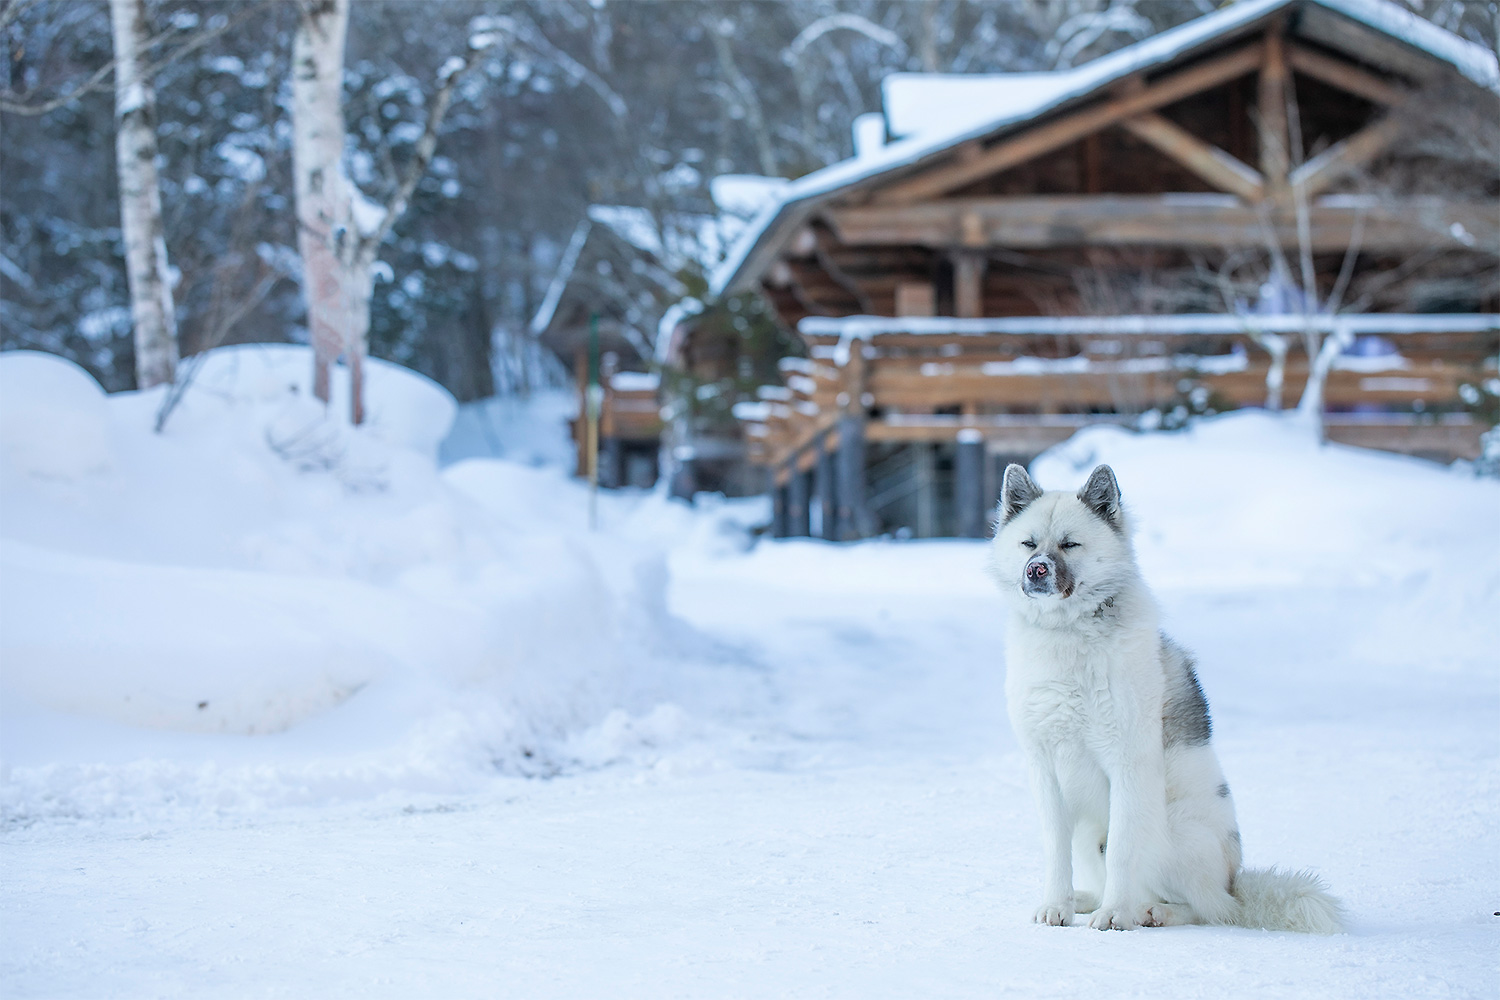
[1036, 572]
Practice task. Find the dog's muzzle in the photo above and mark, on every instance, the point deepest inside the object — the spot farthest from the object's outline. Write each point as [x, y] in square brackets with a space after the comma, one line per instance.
[1041, 575]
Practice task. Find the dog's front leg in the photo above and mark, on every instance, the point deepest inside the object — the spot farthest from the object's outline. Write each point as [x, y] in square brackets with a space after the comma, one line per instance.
[1137, 831]
[1057, 838]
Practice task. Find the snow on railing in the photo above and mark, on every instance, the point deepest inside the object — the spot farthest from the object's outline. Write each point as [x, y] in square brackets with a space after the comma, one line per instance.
[1185, 324]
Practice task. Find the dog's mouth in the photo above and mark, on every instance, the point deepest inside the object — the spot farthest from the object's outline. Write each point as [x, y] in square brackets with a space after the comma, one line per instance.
[1036, 590]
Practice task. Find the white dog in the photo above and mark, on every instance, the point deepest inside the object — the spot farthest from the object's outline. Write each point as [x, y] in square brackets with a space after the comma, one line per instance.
[1116, 732]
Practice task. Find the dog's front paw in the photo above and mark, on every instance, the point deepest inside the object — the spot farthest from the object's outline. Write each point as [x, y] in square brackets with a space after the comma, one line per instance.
[1120, 918]
[1058, 914]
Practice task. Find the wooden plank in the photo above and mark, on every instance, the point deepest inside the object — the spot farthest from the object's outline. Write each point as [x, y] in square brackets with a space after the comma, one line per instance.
[1149, 220]
[1275, 136]
[1036, 141]
[1343, 75]
[1441, 441]
[1346, 156]
[1206, 160]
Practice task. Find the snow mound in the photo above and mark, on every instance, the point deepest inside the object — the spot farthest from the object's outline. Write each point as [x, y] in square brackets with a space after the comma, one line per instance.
[316, 594]
[1252, 496]
[402, 407]
[54, 422]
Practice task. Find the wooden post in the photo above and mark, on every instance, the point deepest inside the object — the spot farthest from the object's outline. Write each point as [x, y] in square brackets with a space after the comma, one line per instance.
[611, 463]
[797, 503]
[1275, 138]
[828, 512]
[595, 408]
[853, 517]
[968, 484]
[915, 298]
[926, 490]
[968, 285]
[779, 510]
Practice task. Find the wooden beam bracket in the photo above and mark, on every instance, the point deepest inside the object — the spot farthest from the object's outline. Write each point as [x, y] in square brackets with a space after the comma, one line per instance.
[1208, 161]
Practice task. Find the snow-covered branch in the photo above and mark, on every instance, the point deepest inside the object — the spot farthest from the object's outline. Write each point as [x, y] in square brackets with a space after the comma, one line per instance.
[450, 75]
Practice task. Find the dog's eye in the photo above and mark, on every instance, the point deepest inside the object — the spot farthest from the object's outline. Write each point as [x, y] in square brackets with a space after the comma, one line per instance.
[1029, 544]
[1070, 545]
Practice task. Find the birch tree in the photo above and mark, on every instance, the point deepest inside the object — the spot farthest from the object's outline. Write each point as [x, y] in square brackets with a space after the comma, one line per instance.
[151, 308]
[339, 229]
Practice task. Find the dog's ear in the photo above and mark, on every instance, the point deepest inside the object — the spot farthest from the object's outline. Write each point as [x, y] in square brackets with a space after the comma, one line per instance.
[1101, 494]
[1017, 492]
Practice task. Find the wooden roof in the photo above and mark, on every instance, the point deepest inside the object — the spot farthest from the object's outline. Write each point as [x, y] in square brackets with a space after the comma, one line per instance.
[937, 192]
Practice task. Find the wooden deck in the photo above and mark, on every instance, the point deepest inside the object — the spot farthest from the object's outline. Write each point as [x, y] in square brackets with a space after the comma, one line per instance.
[959, 404]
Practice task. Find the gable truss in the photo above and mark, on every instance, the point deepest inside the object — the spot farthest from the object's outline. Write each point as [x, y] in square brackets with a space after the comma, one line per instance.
[1137, 109]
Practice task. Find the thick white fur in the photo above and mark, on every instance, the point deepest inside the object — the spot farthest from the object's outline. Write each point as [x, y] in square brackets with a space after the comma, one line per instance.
[1085, 686]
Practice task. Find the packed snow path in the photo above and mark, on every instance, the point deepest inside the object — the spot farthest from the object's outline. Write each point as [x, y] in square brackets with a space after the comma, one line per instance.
[870, 836]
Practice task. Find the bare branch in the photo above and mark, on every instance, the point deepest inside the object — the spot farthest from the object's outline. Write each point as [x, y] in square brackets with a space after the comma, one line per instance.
[13, 9]
[749, 100]
[847, 22]
[1346, 270]
[450, 76]
[16, 104]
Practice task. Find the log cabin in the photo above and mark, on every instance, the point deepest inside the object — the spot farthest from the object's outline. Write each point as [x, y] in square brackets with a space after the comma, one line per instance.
[1241, 211]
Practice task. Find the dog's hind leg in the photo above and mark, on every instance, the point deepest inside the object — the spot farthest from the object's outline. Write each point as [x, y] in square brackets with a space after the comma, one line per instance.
[1088, 866]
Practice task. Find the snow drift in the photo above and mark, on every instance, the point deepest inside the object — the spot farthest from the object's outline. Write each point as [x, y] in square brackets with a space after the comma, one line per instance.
[263, 567]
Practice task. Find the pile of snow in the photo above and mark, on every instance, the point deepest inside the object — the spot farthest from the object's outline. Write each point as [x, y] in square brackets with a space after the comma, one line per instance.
[1249, 501]
[919, 104]
[263, 567]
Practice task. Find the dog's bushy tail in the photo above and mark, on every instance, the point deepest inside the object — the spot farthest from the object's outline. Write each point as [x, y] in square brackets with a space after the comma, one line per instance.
[1286, 901]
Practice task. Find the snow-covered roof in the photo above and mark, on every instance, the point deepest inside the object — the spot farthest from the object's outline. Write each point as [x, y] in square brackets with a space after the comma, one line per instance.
[935, 103]
[744, 195]
[635, 381]
[1037, 97]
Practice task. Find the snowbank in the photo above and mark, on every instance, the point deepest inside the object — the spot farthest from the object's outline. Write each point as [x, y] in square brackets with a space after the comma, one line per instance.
[262, 567]
[1249, 501]
[1250, 497]
[54, 423]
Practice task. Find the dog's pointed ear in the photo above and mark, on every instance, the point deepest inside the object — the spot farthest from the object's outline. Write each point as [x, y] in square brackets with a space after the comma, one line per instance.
[1016, 492]
[1101, 494]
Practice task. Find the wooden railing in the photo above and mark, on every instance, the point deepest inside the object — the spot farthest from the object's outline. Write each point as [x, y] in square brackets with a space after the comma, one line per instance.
[1019, 386]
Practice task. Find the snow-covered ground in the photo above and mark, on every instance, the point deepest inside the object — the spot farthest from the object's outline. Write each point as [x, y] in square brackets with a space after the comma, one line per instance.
[287, 710]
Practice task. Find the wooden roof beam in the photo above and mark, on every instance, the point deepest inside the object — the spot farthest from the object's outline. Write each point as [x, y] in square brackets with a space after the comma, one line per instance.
[1208, 161]
[1148, 220]
[1034, 142]
[1345, 76]
[1344, 157]
[1271, 104]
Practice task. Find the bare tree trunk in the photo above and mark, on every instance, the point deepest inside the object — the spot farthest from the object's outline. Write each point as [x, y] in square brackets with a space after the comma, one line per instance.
[339, 245]
[324, 200]
[151, 308]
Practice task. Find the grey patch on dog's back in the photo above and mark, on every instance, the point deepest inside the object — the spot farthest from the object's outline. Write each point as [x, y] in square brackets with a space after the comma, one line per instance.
[1184, 715]
[1223, 790]
[1234, 835]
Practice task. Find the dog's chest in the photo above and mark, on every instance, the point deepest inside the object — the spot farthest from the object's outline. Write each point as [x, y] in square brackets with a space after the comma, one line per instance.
[1062, 692]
